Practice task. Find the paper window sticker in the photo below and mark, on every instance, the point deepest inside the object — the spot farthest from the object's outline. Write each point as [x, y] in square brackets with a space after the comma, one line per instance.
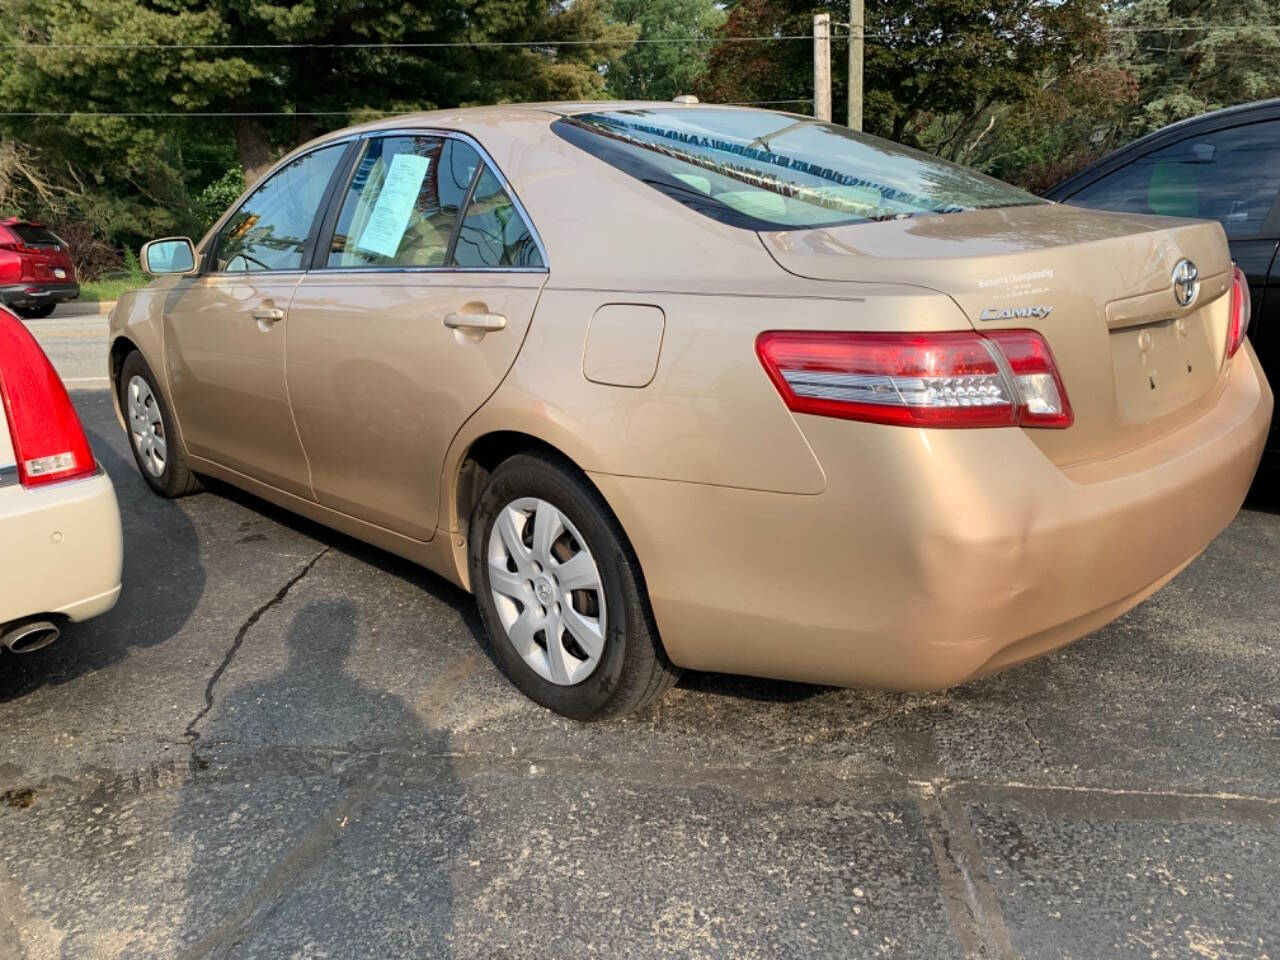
[390, 217]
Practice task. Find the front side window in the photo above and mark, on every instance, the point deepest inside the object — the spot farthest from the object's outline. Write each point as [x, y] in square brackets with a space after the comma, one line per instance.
[1231, 176]
[269, 231]
[401, 207]
[770, 171]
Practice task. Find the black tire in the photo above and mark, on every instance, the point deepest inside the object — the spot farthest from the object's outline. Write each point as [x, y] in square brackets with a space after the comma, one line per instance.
[36, 313]
[176, 480]
[633, 669]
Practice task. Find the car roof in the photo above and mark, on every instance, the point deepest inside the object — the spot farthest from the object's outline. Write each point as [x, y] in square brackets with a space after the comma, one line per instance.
[1214, 120]
[467, 118]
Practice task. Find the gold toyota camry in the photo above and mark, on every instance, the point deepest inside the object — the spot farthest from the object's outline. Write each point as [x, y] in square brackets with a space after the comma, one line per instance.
[675, 386]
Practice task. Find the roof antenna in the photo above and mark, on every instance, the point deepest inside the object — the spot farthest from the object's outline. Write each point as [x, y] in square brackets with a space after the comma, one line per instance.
[685, 98]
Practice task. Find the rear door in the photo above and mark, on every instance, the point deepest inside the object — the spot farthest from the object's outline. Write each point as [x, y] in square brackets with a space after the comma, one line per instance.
[418, 300]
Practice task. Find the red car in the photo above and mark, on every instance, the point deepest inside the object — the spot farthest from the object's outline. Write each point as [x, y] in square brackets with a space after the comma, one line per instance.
[36, 273]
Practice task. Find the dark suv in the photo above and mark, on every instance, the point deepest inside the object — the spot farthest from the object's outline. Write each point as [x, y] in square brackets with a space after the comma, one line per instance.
[36, 273]
[1222, 166]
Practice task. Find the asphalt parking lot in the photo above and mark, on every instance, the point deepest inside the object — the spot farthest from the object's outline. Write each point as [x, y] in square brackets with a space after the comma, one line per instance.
[283, 743]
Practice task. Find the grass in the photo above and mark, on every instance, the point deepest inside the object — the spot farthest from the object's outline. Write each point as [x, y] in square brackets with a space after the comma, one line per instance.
[110, 288]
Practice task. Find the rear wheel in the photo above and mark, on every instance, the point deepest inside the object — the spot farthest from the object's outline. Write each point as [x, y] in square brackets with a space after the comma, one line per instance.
[561, 593]
[152, 438]
[36, 313]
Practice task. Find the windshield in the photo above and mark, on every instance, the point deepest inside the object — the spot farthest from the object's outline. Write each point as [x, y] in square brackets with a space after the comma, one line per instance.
[774, 171]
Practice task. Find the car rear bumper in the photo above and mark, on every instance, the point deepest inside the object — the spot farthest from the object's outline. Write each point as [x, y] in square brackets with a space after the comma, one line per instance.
[61, 549]
[933, 555]
[35, 293]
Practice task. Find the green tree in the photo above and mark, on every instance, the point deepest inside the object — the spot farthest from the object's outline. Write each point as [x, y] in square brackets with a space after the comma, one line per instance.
[664, 69]
[136, 176]
[1190, 56]
[48, 72]
[934, 68]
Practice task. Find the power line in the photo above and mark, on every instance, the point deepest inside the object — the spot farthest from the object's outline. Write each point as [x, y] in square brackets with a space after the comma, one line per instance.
[63, 114]
[1172, 28]
[427, 45]
[181, 113]
[602, 41]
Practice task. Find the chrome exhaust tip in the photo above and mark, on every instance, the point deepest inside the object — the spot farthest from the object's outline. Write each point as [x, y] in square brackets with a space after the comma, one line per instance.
[28, 636]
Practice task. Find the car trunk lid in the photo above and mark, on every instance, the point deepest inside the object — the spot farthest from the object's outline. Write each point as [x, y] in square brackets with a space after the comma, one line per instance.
[1099, 287]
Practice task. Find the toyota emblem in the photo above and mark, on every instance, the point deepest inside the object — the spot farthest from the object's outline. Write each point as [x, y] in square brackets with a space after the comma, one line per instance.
[1186, 282]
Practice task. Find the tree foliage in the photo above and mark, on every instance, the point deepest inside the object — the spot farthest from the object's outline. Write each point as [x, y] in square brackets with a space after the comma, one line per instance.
[1197, 55]
[141, 172]
[937, 71]
[664, 69]
[149, 115]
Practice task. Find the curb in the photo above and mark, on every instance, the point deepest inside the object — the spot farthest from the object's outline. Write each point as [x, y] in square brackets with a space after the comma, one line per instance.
[79, 308]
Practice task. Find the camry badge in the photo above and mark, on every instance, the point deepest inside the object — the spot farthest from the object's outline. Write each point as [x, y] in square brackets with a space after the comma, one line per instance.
[1186, 282]
[1014, 313]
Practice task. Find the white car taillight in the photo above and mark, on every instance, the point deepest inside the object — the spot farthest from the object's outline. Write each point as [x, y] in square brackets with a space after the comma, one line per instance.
[1003, 378]
[46, 433]
[1241, 307]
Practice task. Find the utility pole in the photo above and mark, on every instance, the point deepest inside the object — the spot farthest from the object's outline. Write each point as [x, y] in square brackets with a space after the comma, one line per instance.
[855, 64]
[822, 66]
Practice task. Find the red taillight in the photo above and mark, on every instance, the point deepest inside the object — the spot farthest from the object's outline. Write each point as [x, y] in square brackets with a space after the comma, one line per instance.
[47, 437]
[955, 379]
[1042, 399]
[1241, 306]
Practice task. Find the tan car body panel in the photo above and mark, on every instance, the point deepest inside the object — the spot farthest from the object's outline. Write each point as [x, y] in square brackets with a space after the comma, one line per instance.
[226, 372]
[773, 544]
[893, 579]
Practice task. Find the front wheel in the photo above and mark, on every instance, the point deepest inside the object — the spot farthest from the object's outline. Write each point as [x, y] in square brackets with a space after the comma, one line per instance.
[561, 593]
[152, 438]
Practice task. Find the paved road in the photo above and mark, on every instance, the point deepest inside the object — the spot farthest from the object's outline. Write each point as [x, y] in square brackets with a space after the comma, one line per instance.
[285, 744]
[75, 337]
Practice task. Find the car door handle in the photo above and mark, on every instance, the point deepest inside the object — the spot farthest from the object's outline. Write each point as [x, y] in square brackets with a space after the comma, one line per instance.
[269, 314]
[485, 322]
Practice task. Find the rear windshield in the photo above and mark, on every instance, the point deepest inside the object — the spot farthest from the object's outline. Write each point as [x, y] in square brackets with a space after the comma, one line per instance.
[32, 235]
[775, 171]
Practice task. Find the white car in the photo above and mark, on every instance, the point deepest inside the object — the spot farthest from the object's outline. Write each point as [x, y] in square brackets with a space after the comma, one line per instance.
[61, 546]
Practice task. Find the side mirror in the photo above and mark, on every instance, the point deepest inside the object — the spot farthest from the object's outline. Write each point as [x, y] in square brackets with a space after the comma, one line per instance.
[170, 255]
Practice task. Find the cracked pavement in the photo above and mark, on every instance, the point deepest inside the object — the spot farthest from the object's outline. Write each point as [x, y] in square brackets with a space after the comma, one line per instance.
[283, 743]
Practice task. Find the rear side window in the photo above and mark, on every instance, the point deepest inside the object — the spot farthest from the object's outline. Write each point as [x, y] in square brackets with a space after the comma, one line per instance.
[401, 207]
[270, 229]
[770, 171]
[1231, 176]
[493, 233]
[32, 235]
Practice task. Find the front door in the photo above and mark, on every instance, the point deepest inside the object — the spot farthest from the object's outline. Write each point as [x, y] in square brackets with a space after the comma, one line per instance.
[225, 330]
[412, 316]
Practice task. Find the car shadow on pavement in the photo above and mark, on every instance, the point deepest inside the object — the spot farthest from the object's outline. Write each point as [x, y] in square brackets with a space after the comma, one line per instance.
[758, 689]
[163, 575]
[406, 570]
[440, 589]
[331, 834]
[1265, 493]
